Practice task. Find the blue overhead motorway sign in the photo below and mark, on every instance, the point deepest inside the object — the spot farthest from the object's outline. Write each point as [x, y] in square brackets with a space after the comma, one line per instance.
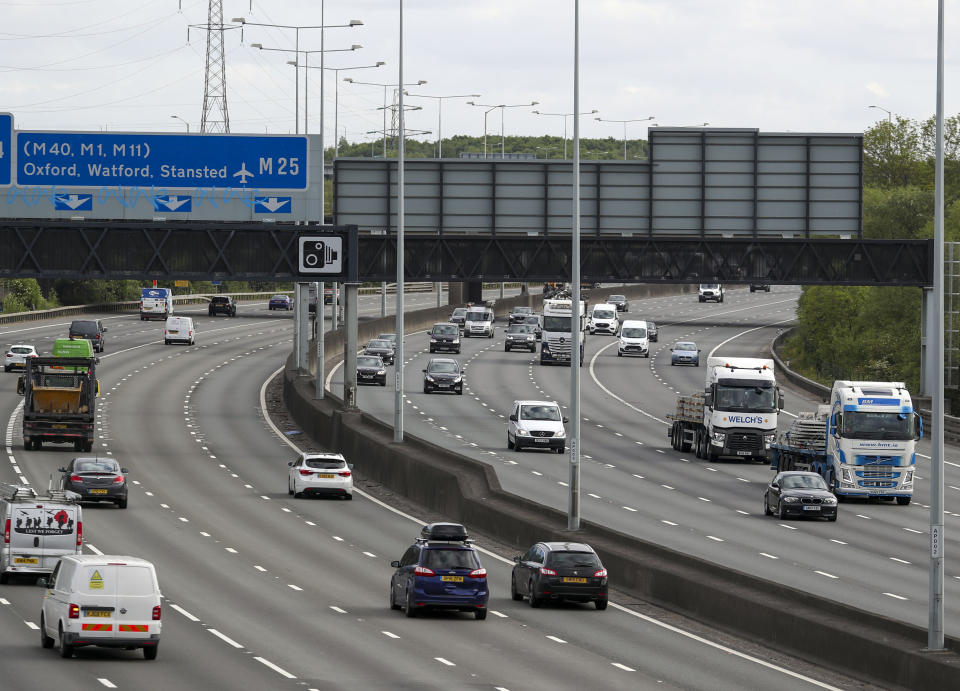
[170, 161]
[6, 148]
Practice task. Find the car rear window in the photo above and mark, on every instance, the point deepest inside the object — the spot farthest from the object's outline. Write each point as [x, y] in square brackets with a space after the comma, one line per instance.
[450, 558]
[324, 463]
[21, 350]
[83, 327]
[96, 467]
[220, 300]
[572, 559]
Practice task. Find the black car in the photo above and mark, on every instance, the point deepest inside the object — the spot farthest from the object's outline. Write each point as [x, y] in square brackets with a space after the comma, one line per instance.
[652, 334]
[559, 571]
[96, 479]
[534, 320]
[459, 317]
[620, 301]
[441, 570]
[91, 329]
[222, 304]
[799, 493]
[765, 287]
[371, 370]
[520, 336]
[443, 374]
[381, 347]
[519, 315]
[444, 336]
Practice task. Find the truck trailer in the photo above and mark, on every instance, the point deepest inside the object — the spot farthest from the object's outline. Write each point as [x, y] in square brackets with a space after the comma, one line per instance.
[735, 416]
[863, 443]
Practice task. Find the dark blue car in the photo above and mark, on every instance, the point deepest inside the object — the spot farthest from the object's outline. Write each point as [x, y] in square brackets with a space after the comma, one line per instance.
[441, 570]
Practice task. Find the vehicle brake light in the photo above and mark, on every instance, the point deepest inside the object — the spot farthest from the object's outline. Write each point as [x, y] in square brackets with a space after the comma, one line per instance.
[156, 613]
[118, 480]
[74, 612]
[9, 354]
[544, 571]
[602, 573]
[79, 533]
[305, 473]
[6, 532]
[76, 478]
[344, 473]
[423, 571]
[477, 573]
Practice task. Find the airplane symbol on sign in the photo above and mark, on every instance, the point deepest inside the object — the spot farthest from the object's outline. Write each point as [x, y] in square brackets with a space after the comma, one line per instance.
[243, 174]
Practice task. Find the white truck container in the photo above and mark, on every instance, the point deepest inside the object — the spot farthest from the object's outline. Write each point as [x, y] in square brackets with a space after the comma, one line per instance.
[37, 530]
[864, 443]
[557, 339]
[736, 416]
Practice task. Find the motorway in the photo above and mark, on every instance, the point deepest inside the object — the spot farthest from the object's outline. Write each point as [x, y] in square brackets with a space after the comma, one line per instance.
[263, 591]
[875, 557]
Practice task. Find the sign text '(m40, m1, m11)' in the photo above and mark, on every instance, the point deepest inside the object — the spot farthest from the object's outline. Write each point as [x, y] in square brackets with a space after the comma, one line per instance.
[106, 159]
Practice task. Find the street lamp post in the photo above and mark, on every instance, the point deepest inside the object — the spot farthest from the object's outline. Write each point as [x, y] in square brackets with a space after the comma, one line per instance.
[625, 129]
[889, 114]
[385, 87]
[565, 116]
[439, 100]
[502, 107]
[177, 117]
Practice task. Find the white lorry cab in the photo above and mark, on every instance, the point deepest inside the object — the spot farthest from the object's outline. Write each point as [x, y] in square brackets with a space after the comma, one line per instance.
[558, 334]
[104, 600]
[37, 530]
[603, 319]
[742, 400]
[155, 303]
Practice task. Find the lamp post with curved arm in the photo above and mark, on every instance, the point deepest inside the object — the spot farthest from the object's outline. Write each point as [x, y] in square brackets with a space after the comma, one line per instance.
[502, 107]
[565, 116]
[625, 129]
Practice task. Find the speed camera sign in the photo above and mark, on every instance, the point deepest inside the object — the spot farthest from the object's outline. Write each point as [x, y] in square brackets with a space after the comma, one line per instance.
[321, 254]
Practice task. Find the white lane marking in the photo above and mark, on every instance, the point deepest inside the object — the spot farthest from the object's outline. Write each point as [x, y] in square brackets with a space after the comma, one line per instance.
[338, 610]
[666, 486]
[389, 634]
[106, 682]
[185, 520]
[205, 534]
[279, 670]
[911, 530]
[294, 587]
[900, 561]
[225, 639]
[498, 614]
[231, 550]
[715, 539]
[93, 549]
[703, 499]
[628, 508]
[259, 568]
[184, 612]
[623, 667]
[839, 542]
[4, 601]
[555, 639]
[894, 595]
[444, 661]
[860, 515]
[741, 511]
[828, 575]
[591, 494]
[31, 625]
[788, 527]
[667, 522]
[337, 538]
[370, 554]
[768, 556]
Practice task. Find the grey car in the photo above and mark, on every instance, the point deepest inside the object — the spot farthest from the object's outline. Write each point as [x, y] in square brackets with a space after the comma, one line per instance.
[520, 336]
[96, 478]
[382, 348]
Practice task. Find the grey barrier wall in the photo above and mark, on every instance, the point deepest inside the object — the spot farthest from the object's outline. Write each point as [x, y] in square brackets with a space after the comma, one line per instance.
[880, 649]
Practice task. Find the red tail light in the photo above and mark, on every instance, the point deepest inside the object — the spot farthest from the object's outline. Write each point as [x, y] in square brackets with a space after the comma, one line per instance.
[602, 573]
[118, 480]
[76, 478]
[478, 573]
[9, 354]
[306, 473]
[344, 473]
[6, 532]
[156, 613]
[544, 571]
[423, 571]
[74, 612]
[79, 533]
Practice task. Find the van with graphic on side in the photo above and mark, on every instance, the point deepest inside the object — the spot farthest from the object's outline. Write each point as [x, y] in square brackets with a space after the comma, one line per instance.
[37, 530]
[155, 303]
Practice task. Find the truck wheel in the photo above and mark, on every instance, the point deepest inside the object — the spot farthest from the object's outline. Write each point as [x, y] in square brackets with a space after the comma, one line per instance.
[684, 445]
[37, 444]
[903, 501]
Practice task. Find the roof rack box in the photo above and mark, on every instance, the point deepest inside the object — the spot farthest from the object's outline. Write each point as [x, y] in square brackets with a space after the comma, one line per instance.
[450, 532]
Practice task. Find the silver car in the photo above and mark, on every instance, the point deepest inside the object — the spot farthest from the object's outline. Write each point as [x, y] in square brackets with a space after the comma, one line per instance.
[16, 356]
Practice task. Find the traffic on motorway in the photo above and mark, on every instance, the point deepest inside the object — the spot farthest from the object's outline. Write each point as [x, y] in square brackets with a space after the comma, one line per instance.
[205, 483]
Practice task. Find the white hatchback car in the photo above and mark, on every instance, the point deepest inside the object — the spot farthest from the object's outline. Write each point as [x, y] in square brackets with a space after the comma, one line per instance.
[320, 473]
[16, 356]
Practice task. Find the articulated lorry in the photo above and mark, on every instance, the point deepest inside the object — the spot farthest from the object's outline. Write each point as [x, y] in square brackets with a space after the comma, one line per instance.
[735, 416]
[863, 443]
[557, 342]
[60, 398]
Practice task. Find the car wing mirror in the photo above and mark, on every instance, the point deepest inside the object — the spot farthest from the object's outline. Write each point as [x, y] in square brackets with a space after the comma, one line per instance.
[918, 429]
[513, 418]
[62, 470]
[775, 485]
[290, 463]
[395, 564]
[424, 370]
[42, 582]
[517, 559]
[105, 329]
[566, 420]
[124, 471]
[780, 402]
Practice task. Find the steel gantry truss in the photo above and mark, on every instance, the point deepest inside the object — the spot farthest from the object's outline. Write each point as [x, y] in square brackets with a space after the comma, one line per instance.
[268, 252]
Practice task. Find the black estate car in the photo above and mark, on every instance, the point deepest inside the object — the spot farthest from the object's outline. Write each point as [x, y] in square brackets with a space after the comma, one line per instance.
[222, 304]
[559, 571]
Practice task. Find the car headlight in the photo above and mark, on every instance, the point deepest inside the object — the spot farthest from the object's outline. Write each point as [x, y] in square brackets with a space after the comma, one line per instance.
[381, 372]
[908, 478]
[719, 436]
[522, 433]
[845, 475]
[458, 380]
[561, 434]
[530, 337]
[428, 378]
[829, 501]
[791, 500]
[433, 340]
[770, 438]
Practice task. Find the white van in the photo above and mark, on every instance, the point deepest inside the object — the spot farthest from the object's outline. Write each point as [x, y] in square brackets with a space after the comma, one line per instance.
[179, 329]
[536, 424]
[478, 321]
[155, 303]
[99, 599]
[603, 319]
[634, 338]
[37, 530]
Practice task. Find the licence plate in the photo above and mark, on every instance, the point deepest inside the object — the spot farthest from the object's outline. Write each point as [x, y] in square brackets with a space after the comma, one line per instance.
[574, 580]
[98, 491]
[811, 508]
[173, 331]
[541, 441]
[452, 579]
[325, 475]
[744, 453]
[25, 560]
[443, 386]
[59, 426]
[97, 613]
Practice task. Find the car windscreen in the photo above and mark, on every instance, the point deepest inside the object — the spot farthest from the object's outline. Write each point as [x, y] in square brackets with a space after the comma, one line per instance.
[803, 482]
[556, 324]
[633, 332]
[604, 314]
[369, 362]
[573, 560]
[532, 319]
[479, 316]
[540, 412]
[459, 311]
[522, 310]
[20, 350]
[443, 368]
[445, 330]
[452, 558]
[387, 337]
[709, 286]
[685, 346]
[520, 329]
[616, 298]
[324, 463]
[864, 425]
[378, 344]
[279, 297]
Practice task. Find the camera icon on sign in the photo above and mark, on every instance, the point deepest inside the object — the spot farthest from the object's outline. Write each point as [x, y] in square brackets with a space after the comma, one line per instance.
[321, 254]
[318, 253]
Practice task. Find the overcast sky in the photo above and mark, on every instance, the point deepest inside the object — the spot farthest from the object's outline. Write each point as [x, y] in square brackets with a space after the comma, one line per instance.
[776, 65]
